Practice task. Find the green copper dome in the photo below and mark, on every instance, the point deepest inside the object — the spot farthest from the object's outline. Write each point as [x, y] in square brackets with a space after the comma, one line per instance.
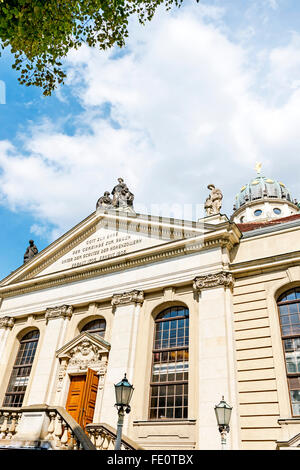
[259, 188]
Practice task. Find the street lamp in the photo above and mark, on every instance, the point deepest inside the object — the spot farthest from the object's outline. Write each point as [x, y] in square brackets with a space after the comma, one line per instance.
[223, 413]
[124, 391]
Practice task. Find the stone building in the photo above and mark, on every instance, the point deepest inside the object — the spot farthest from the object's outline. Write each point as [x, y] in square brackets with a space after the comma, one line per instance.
[190, 310]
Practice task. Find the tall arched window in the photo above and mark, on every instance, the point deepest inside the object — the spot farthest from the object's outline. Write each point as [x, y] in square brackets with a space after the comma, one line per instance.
[96, 327]
[21, 370]
[289, 311]
[169, 375]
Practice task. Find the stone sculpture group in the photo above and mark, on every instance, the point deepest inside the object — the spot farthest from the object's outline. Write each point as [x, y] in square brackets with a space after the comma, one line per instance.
[122, 199]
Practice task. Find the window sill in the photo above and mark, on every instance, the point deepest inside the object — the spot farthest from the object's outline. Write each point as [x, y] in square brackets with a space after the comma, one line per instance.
[293, 420]
[162, 422]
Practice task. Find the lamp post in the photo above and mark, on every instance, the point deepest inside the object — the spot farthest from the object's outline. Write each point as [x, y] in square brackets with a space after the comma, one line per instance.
[124, 391]
[223, 414]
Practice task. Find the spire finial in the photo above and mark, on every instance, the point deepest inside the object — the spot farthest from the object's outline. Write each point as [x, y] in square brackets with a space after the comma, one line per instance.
[258, 166]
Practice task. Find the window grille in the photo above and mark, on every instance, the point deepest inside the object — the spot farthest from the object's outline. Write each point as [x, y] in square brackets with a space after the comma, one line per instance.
[96, 327]
[21, 370]
[289, 313]
[170, 366]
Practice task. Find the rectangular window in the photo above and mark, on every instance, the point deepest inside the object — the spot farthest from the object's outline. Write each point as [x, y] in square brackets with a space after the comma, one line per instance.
[289, 313]
[170, 366]
[21, 370]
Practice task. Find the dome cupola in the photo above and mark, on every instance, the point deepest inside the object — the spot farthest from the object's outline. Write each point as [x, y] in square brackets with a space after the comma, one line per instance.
[263, 199]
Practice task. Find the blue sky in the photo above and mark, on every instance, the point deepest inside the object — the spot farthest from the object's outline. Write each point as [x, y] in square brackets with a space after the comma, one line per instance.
[197, 97]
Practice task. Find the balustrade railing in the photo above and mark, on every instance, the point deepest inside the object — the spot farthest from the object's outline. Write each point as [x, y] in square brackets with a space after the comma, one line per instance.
[9, 422]
[104, 437]
[63, 431]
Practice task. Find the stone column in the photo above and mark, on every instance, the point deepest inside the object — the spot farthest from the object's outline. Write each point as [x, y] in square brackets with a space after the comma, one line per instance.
[46, 369]
[6, 324]
[123, 349]
[216, 358]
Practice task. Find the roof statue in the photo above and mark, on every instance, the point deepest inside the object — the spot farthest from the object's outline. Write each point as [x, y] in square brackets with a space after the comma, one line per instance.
[30, 252]
[122, 199]
[104, 202]
[213, 203]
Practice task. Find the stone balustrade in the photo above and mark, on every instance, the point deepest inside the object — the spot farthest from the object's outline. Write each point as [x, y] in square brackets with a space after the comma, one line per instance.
[9, 420]
[63, 432]
[104, 437]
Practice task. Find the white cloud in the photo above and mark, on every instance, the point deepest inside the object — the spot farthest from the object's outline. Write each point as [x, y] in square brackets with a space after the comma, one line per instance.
[285, 66]
[183, 96]
[273, 4]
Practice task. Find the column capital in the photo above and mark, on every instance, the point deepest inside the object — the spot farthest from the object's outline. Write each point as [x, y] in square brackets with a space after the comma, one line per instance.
[134, 296]
[222, 278]
[7, 322]
[64, 311]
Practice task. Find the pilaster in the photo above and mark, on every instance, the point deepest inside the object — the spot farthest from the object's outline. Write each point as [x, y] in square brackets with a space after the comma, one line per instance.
[126, 308]
[216, 357]
[46, 369]
[6, 324]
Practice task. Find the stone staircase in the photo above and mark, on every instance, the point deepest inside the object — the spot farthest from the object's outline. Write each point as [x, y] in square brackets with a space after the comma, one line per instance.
[57, 430]
[13, 444]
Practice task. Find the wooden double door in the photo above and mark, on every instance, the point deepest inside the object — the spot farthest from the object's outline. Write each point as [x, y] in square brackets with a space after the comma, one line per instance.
[82, 397]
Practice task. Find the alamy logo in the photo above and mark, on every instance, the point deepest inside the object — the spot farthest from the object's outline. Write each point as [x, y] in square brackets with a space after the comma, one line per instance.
[2, 92]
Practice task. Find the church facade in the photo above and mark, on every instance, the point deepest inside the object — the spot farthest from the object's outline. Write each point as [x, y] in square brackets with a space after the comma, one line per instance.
[190, 310]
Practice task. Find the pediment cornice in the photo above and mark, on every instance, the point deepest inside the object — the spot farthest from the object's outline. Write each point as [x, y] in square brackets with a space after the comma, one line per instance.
[194, 238]
[84, 352]
[95, 343]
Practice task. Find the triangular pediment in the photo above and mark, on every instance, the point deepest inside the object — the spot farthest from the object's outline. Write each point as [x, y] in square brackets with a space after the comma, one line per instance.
[108, 238]
[83, 340]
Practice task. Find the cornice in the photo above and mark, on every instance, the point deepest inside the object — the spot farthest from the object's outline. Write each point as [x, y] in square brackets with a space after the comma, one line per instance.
[97, 341]
[156, 226]
[7, 322]
[207, 281]
[265, 264]
[134, 296]
[73, 234]
[218, 238]
[59, 254]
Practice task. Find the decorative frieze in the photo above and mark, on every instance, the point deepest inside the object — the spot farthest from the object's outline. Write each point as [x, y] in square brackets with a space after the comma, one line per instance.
[64, 311]
[7, 322]
[134, 296]
[207, 281]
